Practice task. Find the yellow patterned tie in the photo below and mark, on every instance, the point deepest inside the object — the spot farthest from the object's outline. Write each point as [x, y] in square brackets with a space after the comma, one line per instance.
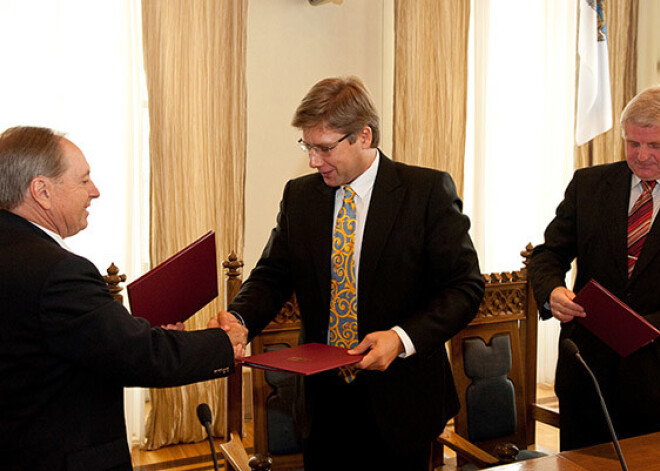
[343, 294]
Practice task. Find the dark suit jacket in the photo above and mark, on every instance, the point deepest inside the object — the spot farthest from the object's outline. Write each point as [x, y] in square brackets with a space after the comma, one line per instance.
[67, 349]
[418, 270]
[591, 224]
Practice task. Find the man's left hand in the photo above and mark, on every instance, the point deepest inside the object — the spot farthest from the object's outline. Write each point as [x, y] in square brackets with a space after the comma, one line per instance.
[383, 347]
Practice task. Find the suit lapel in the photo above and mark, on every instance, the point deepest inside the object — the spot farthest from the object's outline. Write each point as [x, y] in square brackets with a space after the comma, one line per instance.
[614, 202]
[319, 228]
[618, 192]
[386, 199]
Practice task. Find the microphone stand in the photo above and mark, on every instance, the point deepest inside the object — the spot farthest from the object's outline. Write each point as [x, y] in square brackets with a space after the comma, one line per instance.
[607, 415]
[213, 453]
[204, 416]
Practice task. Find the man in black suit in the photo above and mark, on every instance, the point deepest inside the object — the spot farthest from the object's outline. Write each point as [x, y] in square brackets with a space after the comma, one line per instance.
[67, 349]
[592, 225]
[417, 284]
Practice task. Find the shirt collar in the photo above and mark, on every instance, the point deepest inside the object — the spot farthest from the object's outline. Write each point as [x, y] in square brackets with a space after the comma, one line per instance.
[635, 181]
[53, 235]
[365, 182]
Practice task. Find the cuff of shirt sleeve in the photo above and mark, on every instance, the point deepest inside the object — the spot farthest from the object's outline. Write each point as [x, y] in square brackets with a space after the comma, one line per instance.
[409, 348]
[238, 316]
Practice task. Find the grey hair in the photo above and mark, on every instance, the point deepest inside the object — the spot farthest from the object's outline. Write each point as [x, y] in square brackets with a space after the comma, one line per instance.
[643, 110]
[25, 153]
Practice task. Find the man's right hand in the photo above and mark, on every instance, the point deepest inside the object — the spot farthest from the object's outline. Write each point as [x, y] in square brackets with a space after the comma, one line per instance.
[236, 331]
[562, 306]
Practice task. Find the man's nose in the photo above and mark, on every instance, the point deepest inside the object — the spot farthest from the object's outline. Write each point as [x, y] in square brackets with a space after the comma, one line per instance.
[94, 191]
[314, 160]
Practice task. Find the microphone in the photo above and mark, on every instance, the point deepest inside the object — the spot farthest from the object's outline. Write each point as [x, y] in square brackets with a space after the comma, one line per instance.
[204, 416]
[570, 348]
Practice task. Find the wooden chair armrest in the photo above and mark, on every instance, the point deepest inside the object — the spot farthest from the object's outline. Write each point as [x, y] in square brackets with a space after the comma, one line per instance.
[235, 453]
[467, 450]
[546, 415]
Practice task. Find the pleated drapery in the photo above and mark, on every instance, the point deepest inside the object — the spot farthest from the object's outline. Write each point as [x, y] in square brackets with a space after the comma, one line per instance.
[194, 54]
[430, 83]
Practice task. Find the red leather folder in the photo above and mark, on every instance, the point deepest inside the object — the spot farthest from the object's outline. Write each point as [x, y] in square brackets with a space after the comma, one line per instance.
[613, 321]
[306, 359]
[179, 287]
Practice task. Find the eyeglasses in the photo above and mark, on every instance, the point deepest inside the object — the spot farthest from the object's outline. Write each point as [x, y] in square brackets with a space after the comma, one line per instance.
[322, 150]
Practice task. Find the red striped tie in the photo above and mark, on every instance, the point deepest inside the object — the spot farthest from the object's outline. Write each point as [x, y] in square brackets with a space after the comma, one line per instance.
[639, 223]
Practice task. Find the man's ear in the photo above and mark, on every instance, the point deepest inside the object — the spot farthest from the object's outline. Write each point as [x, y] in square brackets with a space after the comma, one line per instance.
[39, 190]
[365, 137]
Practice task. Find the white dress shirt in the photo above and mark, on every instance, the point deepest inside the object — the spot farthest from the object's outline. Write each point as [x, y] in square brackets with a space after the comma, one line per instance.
[363, 187]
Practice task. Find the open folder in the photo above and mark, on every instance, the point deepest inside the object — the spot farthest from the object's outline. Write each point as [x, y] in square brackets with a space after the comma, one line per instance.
[179, 287]
[306, 359]
[613, 321]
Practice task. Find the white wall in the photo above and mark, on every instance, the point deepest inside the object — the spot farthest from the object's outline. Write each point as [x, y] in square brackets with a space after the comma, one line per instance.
[291, 46]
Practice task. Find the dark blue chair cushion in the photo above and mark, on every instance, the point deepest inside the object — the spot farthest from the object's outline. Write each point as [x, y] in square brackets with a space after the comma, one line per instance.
[490, 399]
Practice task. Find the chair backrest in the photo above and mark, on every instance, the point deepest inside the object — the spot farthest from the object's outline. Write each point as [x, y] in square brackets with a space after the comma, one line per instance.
[234, 450]
[272, 393]
[494, 366]
[489, 367]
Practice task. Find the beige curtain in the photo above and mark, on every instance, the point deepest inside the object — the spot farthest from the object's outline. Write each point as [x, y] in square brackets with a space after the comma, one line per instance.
[430, 83]
[194, 55]
[621, 17]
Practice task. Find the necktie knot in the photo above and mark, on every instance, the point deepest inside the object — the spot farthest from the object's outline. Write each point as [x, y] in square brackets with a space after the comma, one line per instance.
[648, 185]
[349, 194]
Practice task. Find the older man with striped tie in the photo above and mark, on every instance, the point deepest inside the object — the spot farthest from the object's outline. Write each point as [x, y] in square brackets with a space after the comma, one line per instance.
[607, 222]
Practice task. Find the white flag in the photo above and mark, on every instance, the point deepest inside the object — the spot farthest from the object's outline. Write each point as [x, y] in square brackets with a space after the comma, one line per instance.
[594, 102]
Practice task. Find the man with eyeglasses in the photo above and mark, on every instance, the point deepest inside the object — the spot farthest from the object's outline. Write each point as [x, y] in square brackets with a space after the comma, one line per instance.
[379, 256]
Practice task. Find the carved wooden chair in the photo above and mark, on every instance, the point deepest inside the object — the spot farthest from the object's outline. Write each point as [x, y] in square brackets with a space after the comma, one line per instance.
[272, 392]
[494, 366]
[233, 450]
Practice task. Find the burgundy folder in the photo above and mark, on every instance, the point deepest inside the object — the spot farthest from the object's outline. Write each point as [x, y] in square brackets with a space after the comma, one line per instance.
[306, 359]
[179, 287]
[613, 321]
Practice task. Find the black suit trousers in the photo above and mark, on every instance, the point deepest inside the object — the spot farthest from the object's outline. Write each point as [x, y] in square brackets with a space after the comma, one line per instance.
[343, 425]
